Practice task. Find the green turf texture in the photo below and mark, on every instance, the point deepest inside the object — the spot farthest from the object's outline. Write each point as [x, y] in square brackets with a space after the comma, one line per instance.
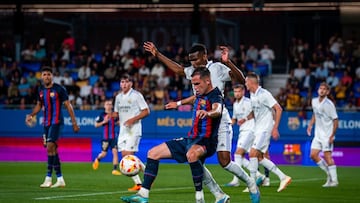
[19, 182]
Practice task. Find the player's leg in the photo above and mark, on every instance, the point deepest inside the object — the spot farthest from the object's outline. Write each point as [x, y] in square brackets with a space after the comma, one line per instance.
[193, 155]
[266, 181]
[102, 154]
[50, 161]
[54, 133]
[152, 166]
[224, 144]
[224, 148]
[327, 149]
[316, 146]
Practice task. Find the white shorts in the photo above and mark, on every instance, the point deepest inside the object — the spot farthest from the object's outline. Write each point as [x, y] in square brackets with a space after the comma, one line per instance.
[128, 143]
[245, 140]
[225, 134]
[262, 141]
[322, 144]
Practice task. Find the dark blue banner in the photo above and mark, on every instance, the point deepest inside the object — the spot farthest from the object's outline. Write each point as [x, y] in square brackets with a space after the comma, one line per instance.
[170, 124]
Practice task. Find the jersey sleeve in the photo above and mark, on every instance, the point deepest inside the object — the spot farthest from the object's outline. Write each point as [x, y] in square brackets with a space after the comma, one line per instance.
[222, 72]
[331, 110]
[269, 100]
[188, 71]
[99, 118]
[63, 93]
[141, 101]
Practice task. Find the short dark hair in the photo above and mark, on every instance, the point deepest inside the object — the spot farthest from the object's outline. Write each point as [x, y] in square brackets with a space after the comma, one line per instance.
[254, 76]
[241, 86]
[126, 77]
[46, 68]
[198, 48]
[202, 71]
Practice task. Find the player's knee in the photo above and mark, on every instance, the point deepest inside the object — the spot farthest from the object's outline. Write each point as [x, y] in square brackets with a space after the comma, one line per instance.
[153, 154]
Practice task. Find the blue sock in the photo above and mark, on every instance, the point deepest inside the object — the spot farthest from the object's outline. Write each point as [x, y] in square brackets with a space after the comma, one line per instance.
[151, 170]
[57, 166]
[267, 172]
[50, 165]
[197, 172]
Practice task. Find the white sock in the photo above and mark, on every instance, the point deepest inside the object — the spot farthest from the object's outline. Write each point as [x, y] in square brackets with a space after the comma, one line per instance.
[253, 167]
[333, 173]
[273, 168]
[209, 182]
[241, 174]
[143, 192]
[199, 194]
[136, 179]
[245, 163]
[323, 165]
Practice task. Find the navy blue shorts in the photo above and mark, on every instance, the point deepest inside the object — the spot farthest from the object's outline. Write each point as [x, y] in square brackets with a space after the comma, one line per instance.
[109, 143]
[179, 147]
[52, 132]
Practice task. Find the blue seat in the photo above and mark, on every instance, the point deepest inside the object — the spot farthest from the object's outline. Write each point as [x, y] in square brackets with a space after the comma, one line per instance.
[109, 94]
[74, 76]
[115, 86]
[172, 94]
[186, 93]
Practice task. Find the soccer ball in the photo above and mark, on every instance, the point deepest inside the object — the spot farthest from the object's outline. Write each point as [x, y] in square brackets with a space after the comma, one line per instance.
[130, 165]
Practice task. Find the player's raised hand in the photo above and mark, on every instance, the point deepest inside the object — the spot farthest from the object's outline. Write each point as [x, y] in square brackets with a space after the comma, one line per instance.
[171, 105]
[201, 114]
[224, 54]
[150, 47]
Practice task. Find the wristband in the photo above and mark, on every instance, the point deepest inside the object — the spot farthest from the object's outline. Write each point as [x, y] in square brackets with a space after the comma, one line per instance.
[178, 103]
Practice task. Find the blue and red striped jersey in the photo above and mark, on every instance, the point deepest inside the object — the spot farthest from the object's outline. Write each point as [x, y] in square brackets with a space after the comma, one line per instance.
[109, 127]
[207, 127]
[51, 100]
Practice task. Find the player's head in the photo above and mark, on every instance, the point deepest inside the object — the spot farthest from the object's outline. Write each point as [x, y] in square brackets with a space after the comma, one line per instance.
[46, 75]
[108, 105]
[252, 81]
[198, 55]
[126, 83]
[324, 89]
[239, 91]
[201, 81]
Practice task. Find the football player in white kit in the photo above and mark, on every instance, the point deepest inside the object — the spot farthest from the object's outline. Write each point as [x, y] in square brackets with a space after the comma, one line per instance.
[130, 107]
[220, 74]
[266, 125]
[241, 109]
[326, 123]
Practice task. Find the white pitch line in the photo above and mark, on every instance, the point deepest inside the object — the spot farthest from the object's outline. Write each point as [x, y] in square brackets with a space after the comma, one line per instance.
[159, 190]
[105, 193]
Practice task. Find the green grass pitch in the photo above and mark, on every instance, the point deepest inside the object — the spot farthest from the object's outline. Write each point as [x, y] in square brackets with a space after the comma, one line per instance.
[20, 183]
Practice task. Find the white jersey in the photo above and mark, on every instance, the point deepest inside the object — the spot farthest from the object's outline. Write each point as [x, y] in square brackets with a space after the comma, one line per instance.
[242, 109]
[325, 113]
[127, 106]
[262, 102]
[219, 74]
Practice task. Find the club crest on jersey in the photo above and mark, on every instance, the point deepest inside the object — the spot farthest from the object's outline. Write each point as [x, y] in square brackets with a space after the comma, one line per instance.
[202, 102]
[52, 94]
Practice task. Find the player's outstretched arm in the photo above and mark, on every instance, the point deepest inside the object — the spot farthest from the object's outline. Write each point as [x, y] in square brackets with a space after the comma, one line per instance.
[174, 105]
[29, 117]
[177, 68]
[235, 72]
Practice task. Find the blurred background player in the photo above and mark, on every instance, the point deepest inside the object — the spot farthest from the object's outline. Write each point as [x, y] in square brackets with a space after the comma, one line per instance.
[266, 125]
[130, 107]
[109, 139]
[326, 123]
[51, 97]
[242, 109]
